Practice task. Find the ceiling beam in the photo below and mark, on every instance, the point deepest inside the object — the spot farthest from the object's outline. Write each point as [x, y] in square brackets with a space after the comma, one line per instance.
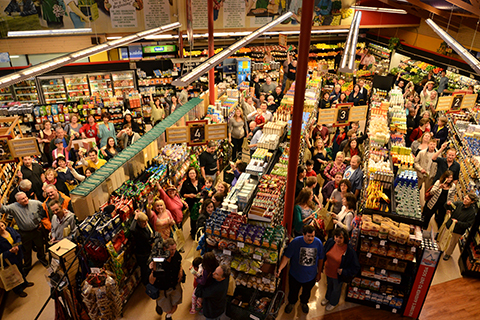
[421, 13]
[468, 7]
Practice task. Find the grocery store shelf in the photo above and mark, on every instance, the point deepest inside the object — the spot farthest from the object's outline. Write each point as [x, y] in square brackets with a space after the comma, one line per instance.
[75, 83]
[24, 87]
[118, 79]
[6, 94]
[26, 94]
[53, 92]
[124, 87]
[53, 85]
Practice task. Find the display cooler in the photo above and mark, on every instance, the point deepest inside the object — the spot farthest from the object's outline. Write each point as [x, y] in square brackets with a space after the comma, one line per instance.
[53, 89]
[123, 83]
[26, 91]
[77, 87]
[100, 85]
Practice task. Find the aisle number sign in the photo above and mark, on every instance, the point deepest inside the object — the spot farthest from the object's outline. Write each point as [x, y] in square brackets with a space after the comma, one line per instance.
[196, 132]
[444, 103]
[342, 114]
[456, 102]
[469, 101]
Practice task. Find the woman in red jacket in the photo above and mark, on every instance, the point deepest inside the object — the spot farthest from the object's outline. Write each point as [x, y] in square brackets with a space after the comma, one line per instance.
[173, 202]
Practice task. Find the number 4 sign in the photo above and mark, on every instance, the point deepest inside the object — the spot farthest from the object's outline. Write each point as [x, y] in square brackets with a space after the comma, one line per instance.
[196, 132]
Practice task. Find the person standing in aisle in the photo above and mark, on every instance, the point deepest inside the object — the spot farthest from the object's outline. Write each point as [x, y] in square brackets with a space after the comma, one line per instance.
[278, 96]
[23, 186]
[53, 194]
[443, 85]
[63, 222]
[423, 167]
[173, 202]
[341, 264]
[11, 250]
[356, 97]
[128, 136]
[338, 194]
[93, 161]
[143, 238]
[330, 186]
[168, 281]
[110, 150]
[448, 163]
[209, 161]
[128, 119]
[35, 173]
[247, 104]
[46, 135]
[306, 255]
[268, 87]
[236, 132]
[28, 215]
[256, 86]
[292, 71]
[335, 95]
[367, 61]
[421, 144]
[214, 295]
[90, 129]
[106, 130]
[303, 211]
[336, 166]
[183, 96]
[337, 60]
[158, 111]
[442, 191]
[352, 149]
[440, 130]
[191, 188]
[463, 215]
[418, 132]
[363, 90]
[300, 184]
[354, 174]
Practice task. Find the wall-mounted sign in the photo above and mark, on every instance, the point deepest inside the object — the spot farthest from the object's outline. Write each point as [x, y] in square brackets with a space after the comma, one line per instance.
[176, 135]
[217, 131]
[444, 103]
[196, 132]
[160, 49]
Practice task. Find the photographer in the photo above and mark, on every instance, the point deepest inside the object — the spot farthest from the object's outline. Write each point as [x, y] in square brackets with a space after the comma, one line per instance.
[166, 276]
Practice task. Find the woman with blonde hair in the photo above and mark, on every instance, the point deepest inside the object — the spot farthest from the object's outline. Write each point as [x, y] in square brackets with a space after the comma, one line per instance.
[335, 166]
[421, 143]
[51, 178]
[236, 132]
[160, 218]
[319, 155]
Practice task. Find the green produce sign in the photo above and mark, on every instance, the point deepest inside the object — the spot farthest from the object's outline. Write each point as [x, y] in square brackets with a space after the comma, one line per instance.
[160, 49]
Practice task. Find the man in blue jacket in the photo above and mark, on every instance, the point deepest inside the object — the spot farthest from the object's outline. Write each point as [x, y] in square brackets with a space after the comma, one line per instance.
[354, 173]
[306, 255]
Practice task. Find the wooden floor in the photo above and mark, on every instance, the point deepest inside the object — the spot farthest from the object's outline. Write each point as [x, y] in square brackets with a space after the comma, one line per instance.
[456, 300]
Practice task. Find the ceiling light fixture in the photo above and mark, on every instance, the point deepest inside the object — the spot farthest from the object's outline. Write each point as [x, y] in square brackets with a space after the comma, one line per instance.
[224, 54]
[382, 10]
[72, 57]
[55, 32]
[347, 64]
[461, 50]
[113, 38]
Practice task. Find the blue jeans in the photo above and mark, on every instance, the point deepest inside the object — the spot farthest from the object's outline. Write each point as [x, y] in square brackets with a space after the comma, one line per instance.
[334, 289]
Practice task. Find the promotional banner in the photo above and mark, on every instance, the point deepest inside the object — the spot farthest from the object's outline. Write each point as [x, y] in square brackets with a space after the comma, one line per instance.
[123, 13]
[156, 13]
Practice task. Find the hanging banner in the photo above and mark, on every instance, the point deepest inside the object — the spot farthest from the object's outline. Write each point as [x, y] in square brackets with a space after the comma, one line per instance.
[189, 22]
[199, 14]
[156, 13]
[176, 135]
[233, 14]
[456, 102]
[123, 14]
[217, 131]
[444, 103]
[327, 116]
[21, 147]
[469, 101]
[358, 113]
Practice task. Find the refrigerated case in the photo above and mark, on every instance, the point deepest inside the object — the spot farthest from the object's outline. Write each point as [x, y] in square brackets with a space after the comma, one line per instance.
[77, 87]
[53, 89]
[123, 83]
[26, 91]
[101, 84]
[6, 95]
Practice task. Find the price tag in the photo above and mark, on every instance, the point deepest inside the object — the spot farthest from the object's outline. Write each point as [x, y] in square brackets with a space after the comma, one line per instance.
[266, 281]
[383, 242]
[254, 317]
[383, 271]
[369, 255]
[227, 252]
[257, 257]
[394, 310]
[395, 261]
[414, 249]
[367, 292]
[377, 306]
[355, 289]
[240, 244]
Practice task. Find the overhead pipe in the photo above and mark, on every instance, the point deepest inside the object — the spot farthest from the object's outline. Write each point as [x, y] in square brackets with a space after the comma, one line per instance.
[347, 63]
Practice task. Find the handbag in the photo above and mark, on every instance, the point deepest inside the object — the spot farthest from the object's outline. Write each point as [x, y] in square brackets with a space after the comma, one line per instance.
[445, 234]
[178, 237]
[152, 291]
[326, 217]
[428, 194]
[10, 276]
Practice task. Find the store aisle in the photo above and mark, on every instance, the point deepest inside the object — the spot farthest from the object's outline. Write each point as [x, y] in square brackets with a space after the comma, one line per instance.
[141, 306]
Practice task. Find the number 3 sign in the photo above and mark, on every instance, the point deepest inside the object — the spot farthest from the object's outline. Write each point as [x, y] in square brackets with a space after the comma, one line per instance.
[196, 132]
[343, 114]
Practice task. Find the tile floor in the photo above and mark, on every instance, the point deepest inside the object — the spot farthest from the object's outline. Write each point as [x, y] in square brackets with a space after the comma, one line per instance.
[140, 306]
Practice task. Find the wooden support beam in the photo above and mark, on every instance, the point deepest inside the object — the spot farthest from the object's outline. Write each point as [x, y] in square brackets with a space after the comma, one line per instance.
[468, 7]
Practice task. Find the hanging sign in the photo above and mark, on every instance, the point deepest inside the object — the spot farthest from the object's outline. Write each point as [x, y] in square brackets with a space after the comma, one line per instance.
[326, 116]
[282, 40]
[469, 101]
[196, 132]
[217, 131]
[358, 113]
[177, 135]
[22, 147]
[456, 102]
[343, 114]
[444, 103]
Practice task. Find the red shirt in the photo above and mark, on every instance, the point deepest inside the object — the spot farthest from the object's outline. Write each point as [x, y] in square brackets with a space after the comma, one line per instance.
[417, 134]
[333, 261]
[90, 131]
[174, 205]
[311, 173]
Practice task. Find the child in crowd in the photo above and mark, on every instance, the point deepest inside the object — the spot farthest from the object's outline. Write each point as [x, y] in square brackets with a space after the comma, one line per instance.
[310, 172]
[65, 174]
[197, 270]
[312, 184]
[222, 187]
[207, 189]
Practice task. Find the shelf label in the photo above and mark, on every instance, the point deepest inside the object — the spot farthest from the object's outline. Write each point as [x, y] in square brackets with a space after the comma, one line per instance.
[240, 244]
[227, 252]
[367, 292]
[383, 271]
[377, 306]
[254, 317]
[257, 257]
[414, 249]
[355, 289]
[395, 261]
[383, 242]
[394, 310]
[369, 255]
